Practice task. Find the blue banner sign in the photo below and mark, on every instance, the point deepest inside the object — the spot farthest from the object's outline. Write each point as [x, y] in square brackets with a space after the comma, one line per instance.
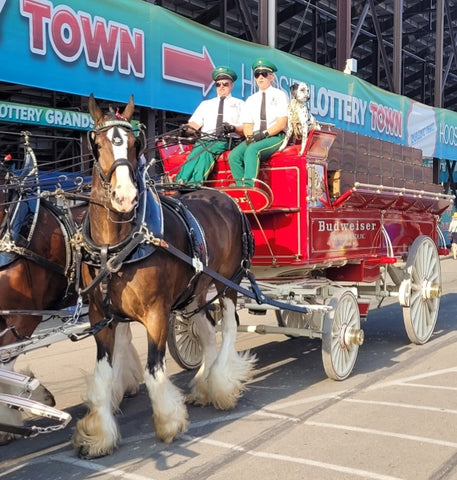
[113, 48]
[51, 117]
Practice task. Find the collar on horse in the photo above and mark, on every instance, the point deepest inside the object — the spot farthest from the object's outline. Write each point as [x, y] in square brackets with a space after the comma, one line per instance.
[142, 240]
[22, 216]
[145, 236]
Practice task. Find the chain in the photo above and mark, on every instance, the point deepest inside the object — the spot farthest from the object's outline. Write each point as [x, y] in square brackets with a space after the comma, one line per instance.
[8, 245]
[77, 311]
[49, 429]
[77, 241]
[149, 237]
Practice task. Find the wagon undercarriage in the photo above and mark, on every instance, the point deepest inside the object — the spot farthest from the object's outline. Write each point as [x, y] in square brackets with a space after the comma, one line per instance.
[335, 310]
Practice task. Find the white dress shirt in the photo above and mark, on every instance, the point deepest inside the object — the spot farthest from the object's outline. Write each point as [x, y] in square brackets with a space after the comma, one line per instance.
[276, 106]
[206, 113]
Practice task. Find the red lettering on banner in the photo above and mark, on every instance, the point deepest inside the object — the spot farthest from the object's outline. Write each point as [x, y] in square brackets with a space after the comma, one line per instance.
[71, 33]
[66, 35]
[38, 13]
[101, 45]
[129, 53]
[386, 120]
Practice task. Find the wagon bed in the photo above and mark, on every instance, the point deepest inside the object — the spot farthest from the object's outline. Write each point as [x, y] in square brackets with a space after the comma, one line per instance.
[316, 245]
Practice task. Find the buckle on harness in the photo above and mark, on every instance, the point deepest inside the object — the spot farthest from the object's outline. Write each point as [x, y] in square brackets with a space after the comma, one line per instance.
[197, 264]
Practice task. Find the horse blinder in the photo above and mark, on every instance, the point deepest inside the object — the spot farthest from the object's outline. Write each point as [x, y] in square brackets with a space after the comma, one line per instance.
[93, 147]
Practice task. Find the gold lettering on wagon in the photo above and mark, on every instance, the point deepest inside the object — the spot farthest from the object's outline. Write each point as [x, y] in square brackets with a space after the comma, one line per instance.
[345, 235]
[341, 226]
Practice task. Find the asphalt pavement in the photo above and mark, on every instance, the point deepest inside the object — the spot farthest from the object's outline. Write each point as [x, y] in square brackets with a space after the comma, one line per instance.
[395, 417]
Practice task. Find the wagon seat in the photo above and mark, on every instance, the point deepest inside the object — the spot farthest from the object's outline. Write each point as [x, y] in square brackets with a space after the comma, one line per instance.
[284, 182]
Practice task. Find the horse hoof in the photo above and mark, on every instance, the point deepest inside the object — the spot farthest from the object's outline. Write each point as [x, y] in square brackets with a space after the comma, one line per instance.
[84, 453]
[197, 401]
[132, 393]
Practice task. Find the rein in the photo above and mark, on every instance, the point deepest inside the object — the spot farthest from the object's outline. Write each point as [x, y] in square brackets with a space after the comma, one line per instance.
[6, 246]
[255, 294]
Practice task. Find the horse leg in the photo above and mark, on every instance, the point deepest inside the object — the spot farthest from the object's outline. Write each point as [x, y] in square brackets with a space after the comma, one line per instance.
[199, 393]
[169, 410]
[97, 434]
[8, 416]
[126, 365]
[231, 369]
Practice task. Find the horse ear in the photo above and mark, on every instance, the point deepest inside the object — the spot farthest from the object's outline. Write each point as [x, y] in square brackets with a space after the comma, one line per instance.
[94, 110]
[129, 109]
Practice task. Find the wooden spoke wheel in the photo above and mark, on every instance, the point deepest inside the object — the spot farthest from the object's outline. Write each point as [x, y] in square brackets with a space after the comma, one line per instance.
[420, 292]
[341, 336]
[183, 342]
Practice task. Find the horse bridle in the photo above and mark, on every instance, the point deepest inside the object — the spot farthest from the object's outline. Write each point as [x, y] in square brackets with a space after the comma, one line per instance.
[116, 141]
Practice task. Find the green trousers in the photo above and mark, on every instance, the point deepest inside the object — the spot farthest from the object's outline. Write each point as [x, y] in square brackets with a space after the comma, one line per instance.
[200, 161]
[245, 159]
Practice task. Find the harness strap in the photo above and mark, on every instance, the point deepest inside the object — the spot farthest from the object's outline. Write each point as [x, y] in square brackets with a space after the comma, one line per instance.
[16, 430]
[38, 259]
[114, 263]
[192, 226]
[197, 243]
[104, 287]
[92, 330]
[256, 294]
[236, 279]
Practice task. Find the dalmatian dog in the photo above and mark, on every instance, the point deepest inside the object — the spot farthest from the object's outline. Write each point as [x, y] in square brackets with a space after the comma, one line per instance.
[300, 119]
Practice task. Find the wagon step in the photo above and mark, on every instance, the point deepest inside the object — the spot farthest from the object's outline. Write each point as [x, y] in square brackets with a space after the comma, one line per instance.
[17, 379]
[35, 408]
[28, 385]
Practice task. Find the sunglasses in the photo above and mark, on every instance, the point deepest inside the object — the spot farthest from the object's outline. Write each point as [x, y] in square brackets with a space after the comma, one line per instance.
[222, 84]
[264, 73]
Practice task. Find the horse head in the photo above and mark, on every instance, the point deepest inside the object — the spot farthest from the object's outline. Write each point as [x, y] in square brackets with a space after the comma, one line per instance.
[115, 149]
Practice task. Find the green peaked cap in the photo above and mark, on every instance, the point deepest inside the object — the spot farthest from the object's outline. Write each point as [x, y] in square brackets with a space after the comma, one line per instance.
[263, 63]
[224, 72]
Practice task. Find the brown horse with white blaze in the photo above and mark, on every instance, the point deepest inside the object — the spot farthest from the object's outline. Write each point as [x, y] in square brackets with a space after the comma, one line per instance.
[147, 290]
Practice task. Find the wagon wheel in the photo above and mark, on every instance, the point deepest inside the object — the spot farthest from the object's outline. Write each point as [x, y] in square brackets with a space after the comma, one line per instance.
[341, 336]
[420, 291]
[183, 342]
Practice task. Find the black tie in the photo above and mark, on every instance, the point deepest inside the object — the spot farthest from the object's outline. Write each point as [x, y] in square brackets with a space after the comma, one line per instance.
[220, 115]
[263, 114]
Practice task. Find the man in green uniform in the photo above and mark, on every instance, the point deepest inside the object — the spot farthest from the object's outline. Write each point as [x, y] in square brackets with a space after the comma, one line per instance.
[218, 118]
[264, 118]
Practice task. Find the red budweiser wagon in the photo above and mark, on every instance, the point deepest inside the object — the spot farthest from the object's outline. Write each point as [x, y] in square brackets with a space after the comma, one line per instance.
[332, 233]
